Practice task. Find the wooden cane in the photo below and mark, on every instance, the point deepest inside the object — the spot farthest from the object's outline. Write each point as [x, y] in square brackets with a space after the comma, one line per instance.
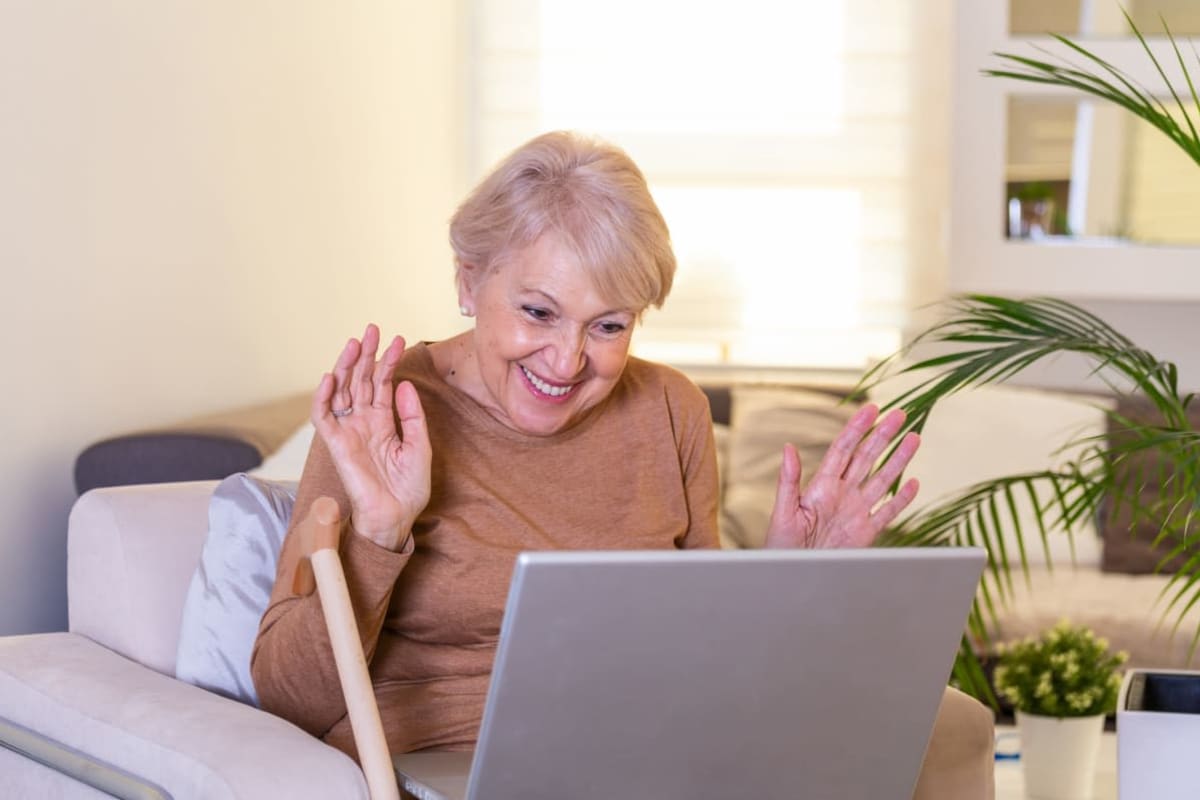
[321, 568]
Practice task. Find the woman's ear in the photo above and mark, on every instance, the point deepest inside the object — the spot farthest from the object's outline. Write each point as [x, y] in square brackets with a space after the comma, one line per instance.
[467, 279]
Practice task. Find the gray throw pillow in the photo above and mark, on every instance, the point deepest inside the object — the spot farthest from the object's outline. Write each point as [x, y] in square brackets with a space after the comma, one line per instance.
[247, 520]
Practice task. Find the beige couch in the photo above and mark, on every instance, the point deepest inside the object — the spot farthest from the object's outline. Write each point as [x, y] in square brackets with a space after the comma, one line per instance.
[981, 434]
[97, 712]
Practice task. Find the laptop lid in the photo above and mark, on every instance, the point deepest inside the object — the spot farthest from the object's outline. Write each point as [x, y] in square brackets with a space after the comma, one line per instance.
[667, 674]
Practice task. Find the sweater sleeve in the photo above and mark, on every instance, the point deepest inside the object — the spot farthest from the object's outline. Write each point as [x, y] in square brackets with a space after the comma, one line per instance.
[698, 462]
[292, 663]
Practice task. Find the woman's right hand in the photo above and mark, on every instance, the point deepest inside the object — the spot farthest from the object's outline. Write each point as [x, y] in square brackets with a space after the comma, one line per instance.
[386, 472]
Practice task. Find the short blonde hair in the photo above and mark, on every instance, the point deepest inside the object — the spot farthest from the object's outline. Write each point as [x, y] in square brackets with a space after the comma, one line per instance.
[591, 196]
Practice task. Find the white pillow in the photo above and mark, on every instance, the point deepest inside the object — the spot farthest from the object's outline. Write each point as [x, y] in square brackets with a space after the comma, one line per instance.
[247, 520]
[286, 463]
[992, 431]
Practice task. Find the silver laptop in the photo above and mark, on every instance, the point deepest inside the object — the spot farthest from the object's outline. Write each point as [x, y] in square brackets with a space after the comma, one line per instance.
[714, 674]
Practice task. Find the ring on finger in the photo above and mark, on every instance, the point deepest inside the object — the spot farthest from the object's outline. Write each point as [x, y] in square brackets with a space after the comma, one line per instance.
[342, 412]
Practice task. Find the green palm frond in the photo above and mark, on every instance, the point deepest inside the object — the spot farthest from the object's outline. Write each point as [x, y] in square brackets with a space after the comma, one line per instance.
[1056, 500]
[968, 673]
[986, 339]
[1020, 333]
[1102, 79]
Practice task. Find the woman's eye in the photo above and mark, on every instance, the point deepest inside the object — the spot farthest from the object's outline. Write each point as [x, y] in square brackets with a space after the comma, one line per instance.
[611, 328]
[540, 314]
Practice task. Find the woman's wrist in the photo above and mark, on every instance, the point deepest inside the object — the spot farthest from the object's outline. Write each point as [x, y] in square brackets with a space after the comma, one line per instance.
[392, 538]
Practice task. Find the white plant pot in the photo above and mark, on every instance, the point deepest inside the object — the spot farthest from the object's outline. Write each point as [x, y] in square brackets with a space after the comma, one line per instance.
[1059, 755]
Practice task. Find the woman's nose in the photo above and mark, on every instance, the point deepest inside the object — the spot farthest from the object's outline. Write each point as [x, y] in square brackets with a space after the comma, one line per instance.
[570, 355]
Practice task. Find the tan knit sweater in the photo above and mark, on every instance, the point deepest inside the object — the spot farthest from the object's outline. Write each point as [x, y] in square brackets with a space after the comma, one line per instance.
[637, 472]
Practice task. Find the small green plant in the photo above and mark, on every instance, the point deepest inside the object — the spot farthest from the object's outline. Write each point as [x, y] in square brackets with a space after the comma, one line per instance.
[1067, 672]
[1034, 191]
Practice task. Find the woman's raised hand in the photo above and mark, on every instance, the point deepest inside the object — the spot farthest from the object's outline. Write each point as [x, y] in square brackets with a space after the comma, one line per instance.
[841, 505]
[385, 471]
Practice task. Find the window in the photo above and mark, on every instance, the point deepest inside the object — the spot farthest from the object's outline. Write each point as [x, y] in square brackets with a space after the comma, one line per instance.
[775, 136]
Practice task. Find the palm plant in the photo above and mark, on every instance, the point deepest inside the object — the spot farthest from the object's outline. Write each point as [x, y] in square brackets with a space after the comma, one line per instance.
[991, 338]
[987, 339]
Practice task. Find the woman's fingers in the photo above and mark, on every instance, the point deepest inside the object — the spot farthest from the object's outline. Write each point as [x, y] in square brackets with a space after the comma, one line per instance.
[384, 371]
[887, 512]
[787, 491]
[341, 397]
[320, 409]
[887, 474]
[838, 456]
[413, 430]
[362, 391]
[871, 448]
[357, 380]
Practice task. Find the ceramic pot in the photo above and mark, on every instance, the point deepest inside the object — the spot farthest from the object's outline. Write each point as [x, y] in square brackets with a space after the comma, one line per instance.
[1059, 755]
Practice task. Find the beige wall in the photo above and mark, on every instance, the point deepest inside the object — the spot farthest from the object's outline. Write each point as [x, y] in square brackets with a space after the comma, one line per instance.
[198, 203]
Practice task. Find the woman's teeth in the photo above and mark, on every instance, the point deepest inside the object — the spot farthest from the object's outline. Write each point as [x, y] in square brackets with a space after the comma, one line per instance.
[545, 388]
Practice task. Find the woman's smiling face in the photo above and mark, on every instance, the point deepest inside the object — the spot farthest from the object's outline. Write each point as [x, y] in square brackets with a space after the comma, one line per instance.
[547, 347]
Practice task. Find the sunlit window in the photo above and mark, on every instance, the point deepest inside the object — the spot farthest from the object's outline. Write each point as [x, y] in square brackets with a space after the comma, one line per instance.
[787, 259]
[667, 67]
[773, 134]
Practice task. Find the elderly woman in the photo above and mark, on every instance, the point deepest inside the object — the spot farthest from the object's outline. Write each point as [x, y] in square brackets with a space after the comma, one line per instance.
[534, 430]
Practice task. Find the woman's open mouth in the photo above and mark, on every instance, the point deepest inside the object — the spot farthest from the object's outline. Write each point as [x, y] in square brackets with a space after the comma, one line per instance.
[547, 390]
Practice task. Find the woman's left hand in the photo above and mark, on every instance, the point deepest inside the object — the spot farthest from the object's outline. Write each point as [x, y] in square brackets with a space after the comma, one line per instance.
[840, 506]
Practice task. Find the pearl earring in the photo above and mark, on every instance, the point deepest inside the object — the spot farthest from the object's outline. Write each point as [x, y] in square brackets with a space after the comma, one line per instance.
[466, 312]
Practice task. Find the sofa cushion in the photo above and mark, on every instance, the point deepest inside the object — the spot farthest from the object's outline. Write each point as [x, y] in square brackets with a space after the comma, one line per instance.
[287, 463]
[208, 447]
[991, 431]
[247, 520]
[161, 457]
[764, 419]
[1129, 547]
[191, 743]
[721, 436]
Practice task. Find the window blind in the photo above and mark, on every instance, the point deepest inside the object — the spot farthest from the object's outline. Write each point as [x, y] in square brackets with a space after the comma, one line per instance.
[774, 136]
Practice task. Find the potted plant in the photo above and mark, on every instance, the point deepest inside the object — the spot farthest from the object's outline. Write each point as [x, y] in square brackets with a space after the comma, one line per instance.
[1033, 215]
[984, 339]
[1062, 685]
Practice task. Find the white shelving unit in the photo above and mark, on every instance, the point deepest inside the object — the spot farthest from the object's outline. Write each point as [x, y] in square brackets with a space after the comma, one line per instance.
[981, 258]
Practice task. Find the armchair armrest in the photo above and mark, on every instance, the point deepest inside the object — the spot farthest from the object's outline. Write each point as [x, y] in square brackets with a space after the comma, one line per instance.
[960, 758]
[164, 732]
[131, 552]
